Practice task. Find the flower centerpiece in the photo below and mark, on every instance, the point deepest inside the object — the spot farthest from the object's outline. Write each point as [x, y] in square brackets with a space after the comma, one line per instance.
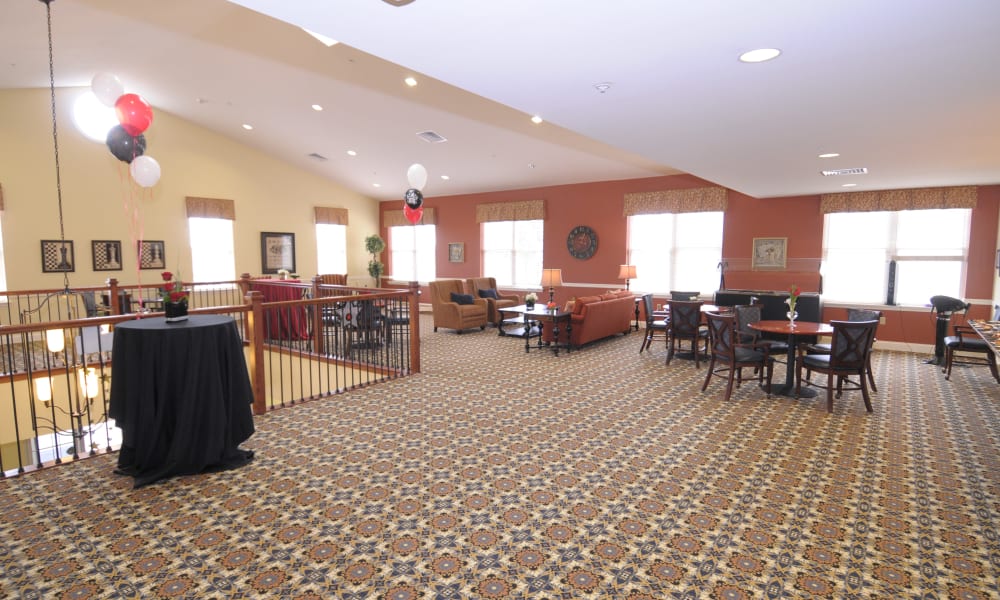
[793, 297]
[530, 298]
[551, 306]
[175, 298]
[283, 273]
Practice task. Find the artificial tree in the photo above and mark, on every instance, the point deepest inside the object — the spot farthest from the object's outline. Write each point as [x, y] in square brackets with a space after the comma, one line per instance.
[374, 245]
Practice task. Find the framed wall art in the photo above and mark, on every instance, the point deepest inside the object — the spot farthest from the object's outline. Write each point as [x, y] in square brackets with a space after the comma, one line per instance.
[152, 255]
[277, 252]
[106, 255]
[57, 256]
[769, 253]
[456, 252]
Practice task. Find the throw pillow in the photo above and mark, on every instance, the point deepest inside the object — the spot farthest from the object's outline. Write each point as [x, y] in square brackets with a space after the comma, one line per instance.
[462, 298]
[490, 293]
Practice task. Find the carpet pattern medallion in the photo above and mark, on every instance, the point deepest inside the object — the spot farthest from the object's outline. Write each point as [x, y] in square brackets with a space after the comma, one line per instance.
[596, 474]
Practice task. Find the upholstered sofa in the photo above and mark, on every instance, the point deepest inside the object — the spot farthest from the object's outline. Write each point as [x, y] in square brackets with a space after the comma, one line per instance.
[597, 317]
[482, 287]
[449, 313]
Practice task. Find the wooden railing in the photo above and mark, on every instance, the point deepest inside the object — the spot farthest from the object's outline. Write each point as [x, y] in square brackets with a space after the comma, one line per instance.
[54, 402]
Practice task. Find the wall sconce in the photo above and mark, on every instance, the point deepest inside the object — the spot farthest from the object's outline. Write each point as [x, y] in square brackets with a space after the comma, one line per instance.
[550, 279]
[55, 340]
[88, 382]
[626, 272]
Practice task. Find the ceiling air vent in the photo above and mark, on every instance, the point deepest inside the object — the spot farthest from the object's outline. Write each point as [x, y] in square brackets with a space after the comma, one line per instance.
[854, 171]
[431, 137]
[317, 156]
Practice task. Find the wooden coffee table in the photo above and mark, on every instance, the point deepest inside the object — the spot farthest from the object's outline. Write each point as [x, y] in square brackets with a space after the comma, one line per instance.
[529, 321]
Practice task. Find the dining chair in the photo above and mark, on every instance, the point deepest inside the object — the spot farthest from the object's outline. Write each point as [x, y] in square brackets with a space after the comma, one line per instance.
[687, 296]
[655, 328]
[751, 313]
[973, 348]
[729, 355]
[685, 324]
[849, 349]
[853, 314]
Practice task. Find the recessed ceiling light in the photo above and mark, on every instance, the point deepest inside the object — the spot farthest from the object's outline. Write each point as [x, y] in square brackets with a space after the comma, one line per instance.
[376, 185]
[830, 155]
[536, 119]
[317, 107]
[247, 126]
[445, 177]
[603, 86]
[327, 41]
[759, 55]
[352, 153]
[410, 81]
[849, 185]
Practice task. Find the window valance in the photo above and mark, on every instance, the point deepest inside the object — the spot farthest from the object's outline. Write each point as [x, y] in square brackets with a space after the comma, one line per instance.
[211, 208]
[326, 215]
[913, 199]
[396, 218]
[524, 210]
[706, 199]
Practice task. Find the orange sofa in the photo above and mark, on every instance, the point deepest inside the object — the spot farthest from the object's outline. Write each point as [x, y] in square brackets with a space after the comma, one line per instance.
[596, 317]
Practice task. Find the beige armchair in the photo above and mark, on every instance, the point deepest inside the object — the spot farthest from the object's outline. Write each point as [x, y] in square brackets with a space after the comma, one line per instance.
[502, 300]
[453, 315]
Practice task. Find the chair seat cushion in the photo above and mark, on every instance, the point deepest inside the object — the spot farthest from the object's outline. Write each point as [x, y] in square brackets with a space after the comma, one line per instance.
[748, 355]
[818, 348]
[774, 345]
[966, 343]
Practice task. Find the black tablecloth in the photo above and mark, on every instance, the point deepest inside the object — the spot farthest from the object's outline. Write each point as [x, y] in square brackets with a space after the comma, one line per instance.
[181, 394]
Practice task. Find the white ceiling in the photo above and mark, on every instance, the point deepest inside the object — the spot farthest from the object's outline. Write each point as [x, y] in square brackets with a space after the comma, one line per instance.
[909, 89]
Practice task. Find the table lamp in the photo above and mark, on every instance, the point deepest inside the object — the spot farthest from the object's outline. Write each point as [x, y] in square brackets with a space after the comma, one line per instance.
[550, 279]
[626, 272]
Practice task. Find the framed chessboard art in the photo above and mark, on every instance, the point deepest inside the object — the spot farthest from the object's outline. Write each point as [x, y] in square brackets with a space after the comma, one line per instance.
[106, 255]
[152, 255]
[57, 256]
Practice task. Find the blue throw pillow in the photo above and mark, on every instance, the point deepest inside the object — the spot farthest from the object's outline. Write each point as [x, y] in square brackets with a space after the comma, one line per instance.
[490, 293]
[462, 298]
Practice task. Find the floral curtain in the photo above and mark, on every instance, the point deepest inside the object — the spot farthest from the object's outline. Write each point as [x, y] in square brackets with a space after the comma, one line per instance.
[524, 210]
[211, 208]
[892, 200]
[396, 218]
[706, 199]
[330, 216]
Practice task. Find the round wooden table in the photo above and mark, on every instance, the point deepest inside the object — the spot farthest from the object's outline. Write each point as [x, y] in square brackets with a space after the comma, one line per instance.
[792, 330]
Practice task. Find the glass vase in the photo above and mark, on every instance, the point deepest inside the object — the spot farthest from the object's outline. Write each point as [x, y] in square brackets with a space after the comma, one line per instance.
[792, 315]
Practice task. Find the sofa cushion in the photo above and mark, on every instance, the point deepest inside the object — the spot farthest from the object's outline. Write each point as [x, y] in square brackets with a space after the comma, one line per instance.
[488, 293]
[583, 301]
[462, 298]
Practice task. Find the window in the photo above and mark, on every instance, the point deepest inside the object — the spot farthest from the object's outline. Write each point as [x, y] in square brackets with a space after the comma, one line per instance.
[930, 248]
[676, 251]
[331, 246]
[412, 252]
[512, 252]
[211, 249]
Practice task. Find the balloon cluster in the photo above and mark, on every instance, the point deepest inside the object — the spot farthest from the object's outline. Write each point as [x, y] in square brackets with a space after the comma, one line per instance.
[126, 140]
[413, 208]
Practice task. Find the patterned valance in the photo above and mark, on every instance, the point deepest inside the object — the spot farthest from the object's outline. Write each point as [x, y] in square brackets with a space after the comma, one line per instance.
[524, 210]
[915, 199]
[396, 218]
[326, 215]
[706, 199]
[211, 208]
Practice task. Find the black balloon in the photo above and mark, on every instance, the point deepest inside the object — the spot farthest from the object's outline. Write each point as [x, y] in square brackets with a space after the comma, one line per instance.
[413, 198]
[125, 147]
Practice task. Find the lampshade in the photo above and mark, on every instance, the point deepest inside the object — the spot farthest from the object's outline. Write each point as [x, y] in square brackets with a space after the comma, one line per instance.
[88, 382]
[626, 272]
[55, 340]
[43, 389]
[551, 277]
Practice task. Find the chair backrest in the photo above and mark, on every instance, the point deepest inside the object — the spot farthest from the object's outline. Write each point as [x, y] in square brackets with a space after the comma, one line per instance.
[721, 334]
[647, 304]
[685, 317]
[481, 283]
[745, 315]
[863, 314]
[851, 343]
[675, 295]
[441, 289]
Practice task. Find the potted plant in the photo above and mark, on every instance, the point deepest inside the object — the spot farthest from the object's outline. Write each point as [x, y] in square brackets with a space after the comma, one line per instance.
[174, 297]
[374, 245]
[529, 299]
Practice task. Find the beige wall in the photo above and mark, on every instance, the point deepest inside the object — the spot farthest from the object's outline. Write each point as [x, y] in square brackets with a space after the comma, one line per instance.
[270, 195]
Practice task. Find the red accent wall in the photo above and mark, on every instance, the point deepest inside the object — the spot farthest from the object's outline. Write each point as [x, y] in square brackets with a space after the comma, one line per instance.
[599, 206]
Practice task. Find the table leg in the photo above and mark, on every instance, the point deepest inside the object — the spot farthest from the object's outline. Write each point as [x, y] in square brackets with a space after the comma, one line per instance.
[555, 336]
[637, 316]
[527, 334]
[788, 389]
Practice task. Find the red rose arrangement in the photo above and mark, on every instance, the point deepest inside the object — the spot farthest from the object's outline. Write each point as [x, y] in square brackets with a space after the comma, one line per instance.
[172, 291]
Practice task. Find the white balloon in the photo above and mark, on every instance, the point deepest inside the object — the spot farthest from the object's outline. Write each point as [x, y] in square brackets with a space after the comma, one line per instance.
[417, 176]
[107, 87]
[145, 170]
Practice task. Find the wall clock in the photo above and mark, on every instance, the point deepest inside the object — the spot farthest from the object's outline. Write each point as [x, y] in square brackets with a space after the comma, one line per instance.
[582, 242]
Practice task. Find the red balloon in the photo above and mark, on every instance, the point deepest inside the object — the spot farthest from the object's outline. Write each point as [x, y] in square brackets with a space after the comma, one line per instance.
[413, 214]
[134, 113]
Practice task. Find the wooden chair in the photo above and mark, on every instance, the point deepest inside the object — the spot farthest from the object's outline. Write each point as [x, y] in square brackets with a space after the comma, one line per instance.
[685, 324]
[853, 314]
[486, 287]
[973, 348]
[449, 313]
[684, 296]
[655, 328]
[729, 356]
[750, 313]
[849, 350]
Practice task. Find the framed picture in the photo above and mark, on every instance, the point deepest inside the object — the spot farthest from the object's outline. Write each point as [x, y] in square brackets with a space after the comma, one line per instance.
[106, 255]
[277, 251]
[456, 252]
[57, 256]
[152, 255]
[769, 253]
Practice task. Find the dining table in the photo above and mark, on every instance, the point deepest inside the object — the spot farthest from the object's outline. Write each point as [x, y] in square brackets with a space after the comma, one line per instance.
[283, 323]
[794, 330]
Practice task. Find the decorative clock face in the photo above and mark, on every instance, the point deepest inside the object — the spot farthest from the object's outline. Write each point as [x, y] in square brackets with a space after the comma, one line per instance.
[582, 242]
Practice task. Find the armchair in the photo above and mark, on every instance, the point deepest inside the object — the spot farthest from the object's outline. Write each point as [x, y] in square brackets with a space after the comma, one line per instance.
[481, 287]
[452, 315]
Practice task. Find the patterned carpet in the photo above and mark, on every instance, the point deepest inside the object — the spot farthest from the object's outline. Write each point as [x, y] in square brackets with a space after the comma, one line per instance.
[500, 474]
